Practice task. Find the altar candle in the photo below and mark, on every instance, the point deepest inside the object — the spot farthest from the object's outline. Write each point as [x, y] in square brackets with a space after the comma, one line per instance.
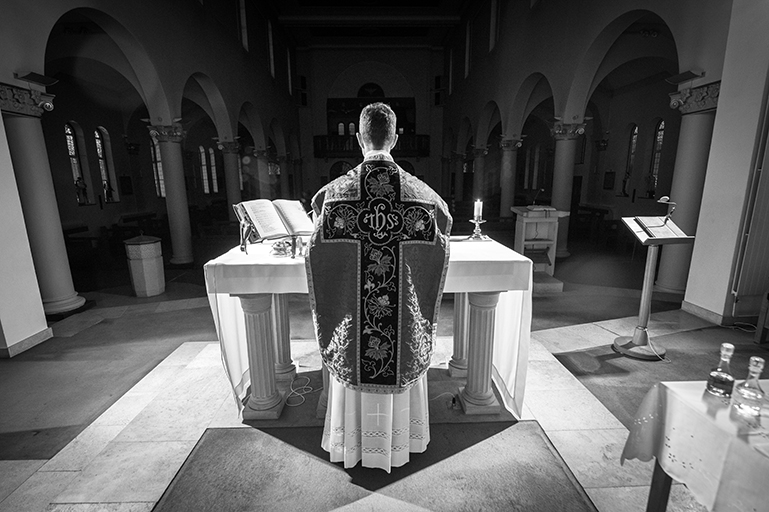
[478, 209]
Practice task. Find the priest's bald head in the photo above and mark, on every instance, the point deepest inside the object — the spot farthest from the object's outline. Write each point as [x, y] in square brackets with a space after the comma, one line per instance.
[377, 128]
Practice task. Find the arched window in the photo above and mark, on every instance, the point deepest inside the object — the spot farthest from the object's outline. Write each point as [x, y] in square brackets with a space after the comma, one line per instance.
[631, 147]
[214, 177]
[106, 167]
[240, 172]
[157, 168]
[654, 171]
[81, 188]
[204, 170]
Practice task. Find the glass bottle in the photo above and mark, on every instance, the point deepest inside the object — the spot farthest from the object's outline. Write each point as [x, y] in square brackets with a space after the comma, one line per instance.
[720, 380]
[748, 396]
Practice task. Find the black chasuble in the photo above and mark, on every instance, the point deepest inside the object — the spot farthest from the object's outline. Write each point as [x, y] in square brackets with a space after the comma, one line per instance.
[376, 266]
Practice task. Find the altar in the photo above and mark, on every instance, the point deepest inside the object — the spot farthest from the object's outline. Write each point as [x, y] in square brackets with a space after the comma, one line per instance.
[492, 322]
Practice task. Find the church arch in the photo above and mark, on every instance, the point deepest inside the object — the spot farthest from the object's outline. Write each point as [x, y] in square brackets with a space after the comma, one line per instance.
[490, 116]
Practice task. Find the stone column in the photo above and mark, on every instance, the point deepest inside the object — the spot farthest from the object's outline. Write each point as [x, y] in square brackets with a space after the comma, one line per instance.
[458, 363]
[563, 177]
[445, 187]
[478, 163]
[169, 139]
[298, 177]
[284, 191]
[698, 107]
[284, 367]
[507, 175]
[231, 155]
[21, 110]
[264, 401]
[459, 176]
[262, 174]
[478, 396]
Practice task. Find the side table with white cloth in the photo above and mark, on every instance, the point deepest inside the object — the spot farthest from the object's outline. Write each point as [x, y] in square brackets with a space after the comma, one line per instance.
[700, 440]
[492, 286]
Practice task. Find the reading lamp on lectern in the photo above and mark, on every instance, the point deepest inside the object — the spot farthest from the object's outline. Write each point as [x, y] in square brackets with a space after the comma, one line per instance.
[671, 206]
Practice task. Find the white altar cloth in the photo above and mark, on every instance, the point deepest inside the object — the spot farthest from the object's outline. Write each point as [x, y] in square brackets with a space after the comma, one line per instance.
[473, 267]
[698, 440]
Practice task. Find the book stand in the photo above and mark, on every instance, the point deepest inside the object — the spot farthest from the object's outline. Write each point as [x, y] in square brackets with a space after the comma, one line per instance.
[652, 232]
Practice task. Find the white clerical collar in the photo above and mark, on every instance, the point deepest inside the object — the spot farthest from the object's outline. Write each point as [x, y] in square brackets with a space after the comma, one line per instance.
[378, 154]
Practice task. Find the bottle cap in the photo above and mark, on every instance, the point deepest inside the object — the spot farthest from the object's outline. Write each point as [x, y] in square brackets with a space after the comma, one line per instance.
[727, 349]
[757, 363]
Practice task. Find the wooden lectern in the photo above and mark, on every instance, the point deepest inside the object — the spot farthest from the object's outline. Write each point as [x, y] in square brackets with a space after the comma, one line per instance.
[652, 232]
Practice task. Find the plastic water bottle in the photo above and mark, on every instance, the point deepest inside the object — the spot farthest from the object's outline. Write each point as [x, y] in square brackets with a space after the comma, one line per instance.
[748, 396]
[720, 380]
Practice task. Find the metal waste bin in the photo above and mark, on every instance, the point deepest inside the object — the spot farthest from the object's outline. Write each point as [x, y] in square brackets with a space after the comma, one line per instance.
[145, 261]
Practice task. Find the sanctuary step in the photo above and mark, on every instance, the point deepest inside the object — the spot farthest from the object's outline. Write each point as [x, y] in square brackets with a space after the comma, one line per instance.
[544, 284]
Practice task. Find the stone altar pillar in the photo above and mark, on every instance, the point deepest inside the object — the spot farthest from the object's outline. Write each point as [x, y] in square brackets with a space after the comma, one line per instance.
[478, 396]
[264, 401]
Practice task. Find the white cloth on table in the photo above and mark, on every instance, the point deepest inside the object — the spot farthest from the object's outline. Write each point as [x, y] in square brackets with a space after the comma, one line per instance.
[379, 430]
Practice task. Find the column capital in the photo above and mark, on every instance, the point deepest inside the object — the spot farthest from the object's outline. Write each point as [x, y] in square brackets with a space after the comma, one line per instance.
[510, 144]
[229, 146]
[566, 131]
[26, 102]
[167, 133]
[260, 153]
[698, 99]
[480, 151]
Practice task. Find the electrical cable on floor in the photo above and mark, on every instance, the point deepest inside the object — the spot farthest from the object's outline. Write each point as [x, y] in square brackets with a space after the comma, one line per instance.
[449, 405]
[743, 326]
[299, 392]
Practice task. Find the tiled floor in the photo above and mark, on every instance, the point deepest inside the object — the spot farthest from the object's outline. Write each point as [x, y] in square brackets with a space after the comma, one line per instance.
[125, 459]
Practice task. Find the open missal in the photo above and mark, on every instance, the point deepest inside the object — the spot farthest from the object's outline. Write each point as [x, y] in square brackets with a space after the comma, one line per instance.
[262, 219]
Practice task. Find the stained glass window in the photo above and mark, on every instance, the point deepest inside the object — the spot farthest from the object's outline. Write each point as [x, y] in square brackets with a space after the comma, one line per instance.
[659, 134]
[204, 170]
[157, 167]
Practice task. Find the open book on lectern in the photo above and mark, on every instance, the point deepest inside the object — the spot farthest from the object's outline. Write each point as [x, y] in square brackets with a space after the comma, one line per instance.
[656, 230]
[262, 219]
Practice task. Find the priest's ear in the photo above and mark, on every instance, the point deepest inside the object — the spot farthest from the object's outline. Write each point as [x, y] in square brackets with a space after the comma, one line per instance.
[394, 142]
[360, 141]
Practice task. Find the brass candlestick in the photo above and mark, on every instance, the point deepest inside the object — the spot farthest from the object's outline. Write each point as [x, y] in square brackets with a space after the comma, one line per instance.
[477, 235]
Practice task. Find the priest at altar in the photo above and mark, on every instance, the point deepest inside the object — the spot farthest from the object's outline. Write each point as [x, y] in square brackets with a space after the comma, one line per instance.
[376, 266]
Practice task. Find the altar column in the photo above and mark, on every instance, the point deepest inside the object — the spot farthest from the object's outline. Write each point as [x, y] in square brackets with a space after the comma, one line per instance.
[231, 156]
[169, 139]
[21, 113]
[459, 176]
[458, 363]
[478, 172]
[507, 175]
[698, 107]
[284, 366]
[563, 177]
[477, 397]
[264, 401]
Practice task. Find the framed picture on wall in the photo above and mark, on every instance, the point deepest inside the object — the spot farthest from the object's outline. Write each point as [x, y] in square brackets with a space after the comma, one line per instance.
[608, 180]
